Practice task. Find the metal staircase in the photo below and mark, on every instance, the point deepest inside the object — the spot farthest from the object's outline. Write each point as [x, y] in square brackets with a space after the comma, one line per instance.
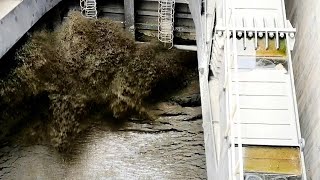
[89, 8]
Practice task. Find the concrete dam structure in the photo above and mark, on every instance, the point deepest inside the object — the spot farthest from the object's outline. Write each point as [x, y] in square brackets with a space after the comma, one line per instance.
[257, 75]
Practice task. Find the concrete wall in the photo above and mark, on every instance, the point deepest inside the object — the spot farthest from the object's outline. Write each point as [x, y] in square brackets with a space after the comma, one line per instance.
[146, 18]
[14, 24]
[305, 16]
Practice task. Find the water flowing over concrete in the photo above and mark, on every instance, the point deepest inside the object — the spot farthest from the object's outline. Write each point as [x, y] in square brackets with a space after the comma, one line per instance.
[170, 147]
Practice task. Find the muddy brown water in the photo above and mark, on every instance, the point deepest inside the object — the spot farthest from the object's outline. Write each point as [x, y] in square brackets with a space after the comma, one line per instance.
[170, 147]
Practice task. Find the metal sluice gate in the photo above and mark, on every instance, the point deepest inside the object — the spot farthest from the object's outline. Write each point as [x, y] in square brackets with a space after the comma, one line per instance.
[248, 94]
[255, 133]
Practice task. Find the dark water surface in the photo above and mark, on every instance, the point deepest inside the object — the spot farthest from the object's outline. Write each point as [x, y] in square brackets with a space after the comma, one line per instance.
[170, 147]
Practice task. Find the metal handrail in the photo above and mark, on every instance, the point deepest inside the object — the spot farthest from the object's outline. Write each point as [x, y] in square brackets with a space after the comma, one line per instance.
[233, 107]
[237, 106]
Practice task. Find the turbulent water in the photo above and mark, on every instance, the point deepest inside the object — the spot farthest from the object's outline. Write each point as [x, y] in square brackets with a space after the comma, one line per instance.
[84, 101]
[83, 65]
[169, 147]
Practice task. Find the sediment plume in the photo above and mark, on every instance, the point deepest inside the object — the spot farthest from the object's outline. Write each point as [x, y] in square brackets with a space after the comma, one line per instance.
[85, 62]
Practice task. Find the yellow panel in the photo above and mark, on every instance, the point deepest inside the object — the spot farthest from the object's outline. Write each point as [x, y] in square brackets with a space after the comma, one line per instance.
[278, 160]
[272, 50]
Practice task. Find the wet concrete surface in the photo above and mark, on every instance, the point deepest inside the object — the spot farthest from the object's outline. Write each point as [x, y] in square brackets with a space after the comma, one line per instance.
[169, 147]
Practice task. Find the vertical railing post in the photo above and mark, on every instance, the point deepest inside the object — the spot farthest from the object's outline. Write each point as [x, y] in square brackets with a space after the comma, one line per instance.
[129, 16]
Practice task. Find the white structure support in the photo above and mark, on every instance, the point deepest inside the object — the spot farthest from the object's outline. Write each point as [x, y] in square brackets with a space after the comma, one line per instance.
[166, 21]
[252, 104]
[89, 8]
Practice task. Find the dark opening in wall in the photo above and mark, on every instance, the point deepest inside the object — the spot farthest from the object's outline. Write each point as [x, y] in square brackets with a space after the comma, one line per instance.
[146, 19]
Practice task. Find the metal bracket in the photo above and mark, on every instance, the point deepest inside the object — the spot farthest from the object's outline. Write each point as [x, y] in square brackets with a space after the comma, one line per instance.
[291, 37]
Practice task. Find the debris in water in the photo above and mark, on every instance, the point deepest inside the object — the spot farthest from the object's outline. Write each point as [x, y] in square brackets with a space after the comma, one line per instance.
[85, 62]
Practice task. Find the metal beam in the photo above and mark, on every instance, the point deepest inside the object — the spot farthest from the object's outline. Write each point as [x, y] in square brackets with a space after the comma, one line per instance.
[129, 16]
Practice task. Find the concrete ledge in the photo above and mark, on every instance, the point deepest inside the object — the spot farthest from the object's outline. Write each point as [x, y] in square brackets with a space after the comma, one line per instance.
[7, 5]
[17, 17]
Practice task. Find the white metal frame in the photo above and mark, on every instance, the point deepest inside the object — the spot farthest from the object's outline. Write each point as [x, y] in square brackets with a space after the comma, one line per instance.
[230, 31]
[166, 21]
[233, 115]
[88, 8]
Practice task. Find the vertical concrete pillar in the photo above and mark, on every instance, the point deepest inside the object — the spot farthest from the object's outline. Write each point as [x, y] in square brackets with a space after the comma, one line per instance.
[305, 16]
[129, 16]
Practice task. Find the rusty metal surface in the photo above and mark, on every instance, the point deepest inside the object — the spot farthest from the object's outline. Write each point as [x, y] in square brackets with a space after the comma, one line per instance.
[276, 160]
